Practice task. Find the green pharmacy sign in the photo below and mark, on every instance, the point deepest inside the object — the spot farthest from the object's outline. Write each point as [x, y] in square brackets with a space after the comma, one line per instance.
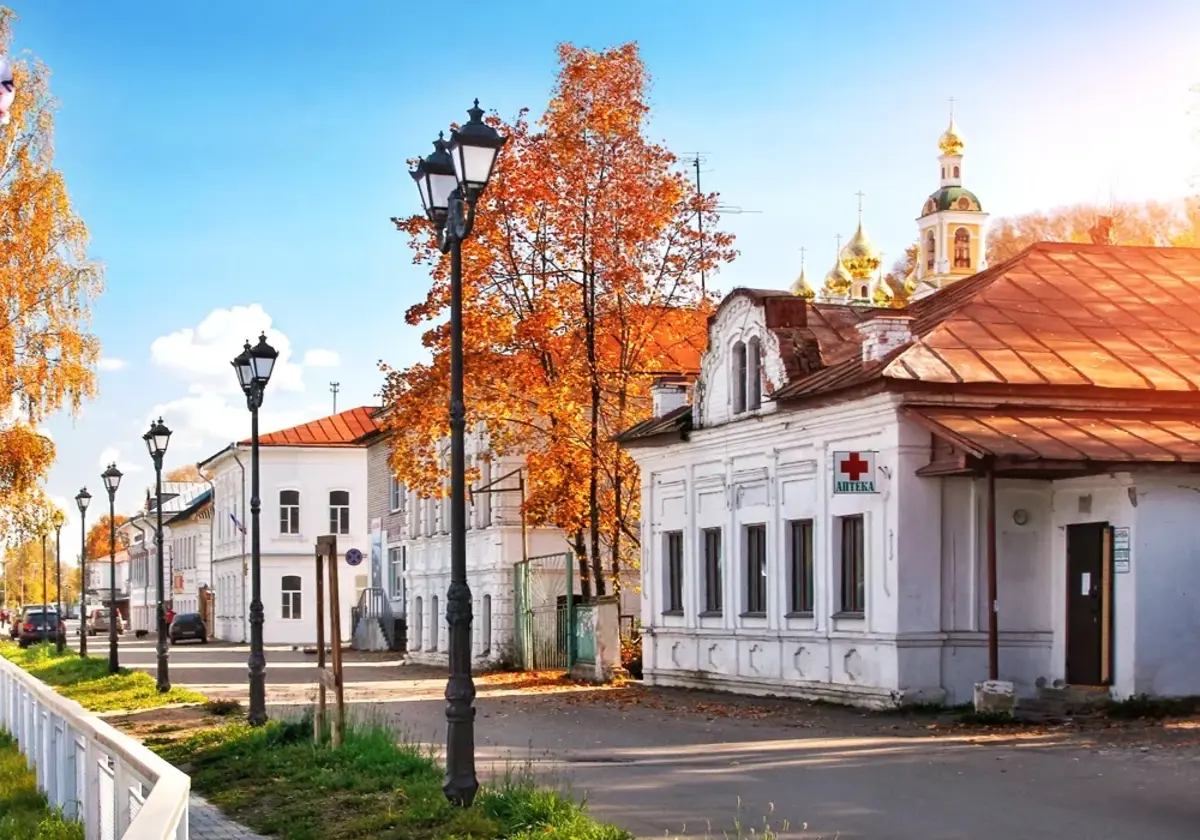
[854, 472]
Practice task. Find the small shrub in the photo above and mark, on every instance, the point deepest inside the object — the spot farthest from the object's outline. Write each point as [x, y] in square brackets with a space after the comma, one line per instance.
[631, 655]
[1153, 708]
[223, 708]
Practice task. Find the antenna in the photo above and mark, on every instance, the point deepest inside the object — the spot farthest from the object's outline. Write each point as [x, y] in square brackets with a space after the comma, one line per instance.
[694, 160]
[334, 387]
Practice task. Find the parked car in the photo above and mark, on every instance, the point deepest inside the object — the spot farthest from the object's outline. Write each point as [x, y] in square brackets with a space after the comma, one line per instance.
[188, 626]
[39, 624]
[98, 622]
[17, 618]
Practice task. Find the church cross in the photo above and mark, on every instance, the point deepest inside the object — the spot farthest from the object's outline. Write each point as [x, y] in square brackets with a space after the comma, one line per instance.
[802, 251]
[952, 101]
[861, 195]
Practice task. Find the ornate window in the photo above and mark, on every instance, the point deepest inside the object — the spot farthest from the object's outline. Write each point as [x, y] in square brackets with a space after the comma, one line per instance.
[964, 203]
[956, 175]
[754, 375]
[930, 250]
[739, 378]
[962, 248]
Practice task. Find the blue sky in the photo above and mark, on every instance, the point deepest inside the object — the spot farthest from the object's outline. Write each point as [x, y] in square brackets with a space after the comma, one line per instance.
[248, 154]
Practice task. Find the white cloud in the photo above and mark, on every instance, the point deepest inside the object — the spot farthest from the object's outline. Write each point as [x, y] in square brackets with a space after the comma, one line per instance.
[322, 358]
[112, 455]
[108, 363]
[202, 355]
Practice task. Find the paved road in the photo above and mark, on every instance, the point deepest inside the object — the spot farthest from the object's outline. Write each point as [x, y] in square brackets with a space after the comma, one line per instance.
[659, 771]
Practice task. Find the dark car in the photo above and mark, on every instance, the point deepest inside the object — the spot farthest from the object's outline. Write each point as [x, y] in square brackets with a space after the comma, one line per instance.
[39, 625]
[188, 626]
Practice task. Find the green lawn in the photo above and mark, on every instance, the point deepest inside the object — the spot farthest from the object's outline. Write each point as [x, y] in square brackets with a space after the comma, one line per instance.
[88, 682]
[24, 813]
[275, 780]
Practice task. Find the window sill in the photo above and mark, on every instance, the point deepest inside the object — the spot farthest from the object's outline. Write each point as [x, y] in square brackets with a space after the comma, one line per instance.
[678, 613]
[856, 616]
[712, 614]
[292, 537]
[752, 615]
[800, 614]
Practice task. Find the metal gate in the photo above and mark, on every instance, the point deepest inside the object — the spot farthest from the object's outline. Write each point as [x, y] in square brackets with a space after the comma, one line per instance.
[545, 616]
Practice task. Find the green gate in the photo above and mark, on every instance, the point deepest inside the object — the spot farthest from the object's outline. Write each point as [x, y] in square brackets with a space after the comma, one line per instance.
[545, 616]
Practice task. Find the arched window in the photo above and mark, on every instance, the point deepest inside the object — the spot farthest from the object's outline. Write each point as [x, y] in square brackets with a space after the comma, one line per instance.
[754, 375]
[930, 250]
[739, 378]
[289, 511]
[291, 597]
[433, 623]
[943, 172]
[863, 293]
[962, 248]
[339, 512]
[485, 621]
[956, 175]
[418, 622]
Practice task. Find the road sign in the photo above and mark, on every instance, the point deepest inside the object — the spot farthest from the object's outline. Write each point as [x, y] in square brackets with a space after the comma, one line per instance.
[854, 472]
[353, 556]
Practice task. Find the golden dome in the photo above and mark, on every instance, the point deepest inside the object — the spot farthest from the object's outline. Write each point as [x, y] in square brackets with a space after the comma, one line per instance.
[951, 142]
[802, 288]
[837, 281]
[911, 282]
[887, 290]
[860, 256]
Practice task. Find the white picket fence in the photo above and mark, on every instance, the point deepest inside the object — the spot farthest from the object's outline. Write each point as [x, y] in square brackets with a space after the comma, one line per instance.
[117, 787]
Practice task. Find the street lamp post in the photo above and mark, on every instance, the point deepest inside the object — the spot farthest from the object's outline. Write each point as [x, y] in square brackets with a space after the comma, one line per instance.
[253, 367]
[450, 181]
[112, 480]
[61, 631]
[82, 499]
[45, 580]
[156, 444]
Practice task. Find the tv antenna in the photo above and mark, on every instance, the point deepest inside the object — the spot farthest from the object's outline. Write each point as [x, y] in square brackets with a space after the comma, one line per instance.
[334, 387]
[696, 159]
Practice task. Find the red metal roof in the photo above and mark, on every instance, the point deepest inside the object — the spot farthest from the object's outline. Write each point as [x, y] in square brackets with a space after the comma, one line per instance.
[1034, 433]
[346, 428]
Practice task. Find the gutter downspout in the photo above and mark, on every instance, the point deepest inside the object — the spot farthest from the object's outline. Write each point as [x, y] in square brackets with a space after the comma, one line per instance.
[993, 635]
[245, 616]
[212, 548]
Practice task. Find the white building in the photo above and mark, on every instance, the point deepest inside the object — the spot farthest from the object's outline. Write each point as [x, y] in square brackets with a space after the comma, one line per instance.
[421, 545]
[313, 482]
[191, 531]
[99, 580]
[139, 531]
[820, 520]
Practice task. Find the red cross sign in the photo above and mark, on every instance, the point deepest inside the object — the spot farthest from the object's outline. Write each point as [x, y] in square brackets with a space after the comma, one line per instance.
[854, 472]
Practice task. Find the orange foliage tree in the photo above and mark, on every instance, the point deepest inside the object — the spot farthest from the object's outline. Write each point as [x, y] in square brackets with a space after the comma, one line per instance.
[1157, 223]
[47, 284]
[96, 544]
[580, 287]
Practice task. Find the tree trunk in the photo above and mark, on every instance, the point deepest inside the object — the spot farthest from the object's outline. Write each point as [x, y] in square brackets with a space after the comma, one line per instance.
[589, 299]
[585, 578]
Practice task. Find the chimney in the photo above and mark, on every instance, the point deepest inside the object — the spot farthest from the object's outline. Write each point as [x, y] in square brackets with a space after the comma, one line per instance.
[668, 395]
[883, 334]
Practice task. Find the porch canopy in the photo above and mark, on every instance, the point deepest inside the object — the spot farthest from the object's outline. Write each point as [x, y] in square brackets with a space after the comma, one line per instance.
[1047, 442]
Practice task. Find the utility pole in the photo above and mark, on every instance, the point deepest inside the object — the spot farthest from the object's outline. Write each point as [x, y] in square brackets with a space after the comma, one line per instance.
[334, 387]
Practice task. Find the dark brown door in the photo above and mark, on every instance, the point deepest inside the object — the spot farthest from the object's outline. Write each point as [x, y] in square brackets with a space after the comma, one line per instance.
[1085, 602]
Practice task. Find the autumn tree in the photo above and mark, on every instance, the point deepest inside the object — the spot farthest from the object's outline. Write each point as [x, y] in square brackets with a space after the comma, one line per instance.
[580, 287]
[26, 566]
[1156, 223]
[96, 544]
[47, 285]
[187, 472]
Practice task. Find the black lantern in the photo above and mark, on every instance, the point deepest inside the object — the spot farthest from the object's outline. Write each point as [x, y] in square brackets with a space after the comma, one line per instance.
[112, 479]
[262, 361]
[244, 369]
[474, 148]
[157, 439]
[82, 499]
[436, 181]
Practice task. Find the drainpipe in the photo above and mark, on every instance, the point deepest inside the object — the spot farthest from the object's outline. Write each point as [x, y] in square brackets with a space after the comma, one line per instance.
[993, 618]
[245, 617]
[212, 546]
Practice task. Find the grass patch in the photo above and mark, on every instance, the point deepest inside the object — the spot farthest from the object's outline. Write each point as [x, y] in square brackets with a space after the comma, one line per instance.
[275, 780]
[24, 812]
[88, 682]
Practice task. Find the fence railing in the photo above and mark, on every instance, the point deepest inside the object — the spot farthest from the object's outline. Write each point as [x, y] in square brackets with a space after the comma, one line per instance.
[115, 786]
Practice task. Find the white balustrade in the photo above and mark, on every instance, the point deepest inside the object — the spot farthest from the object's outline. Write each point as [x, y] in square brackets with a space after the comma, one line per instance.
[115, 786]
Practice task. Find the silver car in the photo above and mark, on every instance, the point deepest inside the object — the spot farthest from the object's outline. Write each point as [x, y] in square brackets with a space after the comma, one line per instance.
[98, 622]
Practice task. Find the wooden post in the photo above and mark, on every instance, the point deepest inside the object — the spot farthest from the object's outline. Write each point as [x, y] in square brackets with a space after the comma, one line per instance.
[339, 722]
[319, 720]
[993, 617]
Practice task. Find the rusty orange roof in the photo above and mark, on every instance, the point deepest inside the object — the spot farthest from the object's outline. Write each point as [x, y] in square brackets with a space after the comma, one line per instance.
[346, 428]
[1037, 433]
[1057, 314]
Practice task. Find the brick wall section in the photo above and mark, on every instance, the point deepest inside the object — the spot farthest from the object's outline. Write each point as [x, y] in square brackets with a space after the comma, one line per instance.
[379, 476]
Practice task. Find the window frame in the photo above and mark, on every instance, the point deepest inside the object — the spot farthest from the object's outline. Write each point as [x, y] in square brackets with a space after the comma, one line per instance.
[801, 567]
[397, 555]
[339, 514]
[293, 512]
[291, 608]
[395, 495]
[673, 567]
[962, 240]
[738, 376]
[753, 399]
[710, 541]
[754, 535]
[852, 566]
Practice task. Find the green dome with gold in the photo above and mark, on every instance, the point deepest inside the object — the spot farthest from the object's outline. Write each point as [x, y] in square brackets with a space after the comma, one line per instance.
[951, 198]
